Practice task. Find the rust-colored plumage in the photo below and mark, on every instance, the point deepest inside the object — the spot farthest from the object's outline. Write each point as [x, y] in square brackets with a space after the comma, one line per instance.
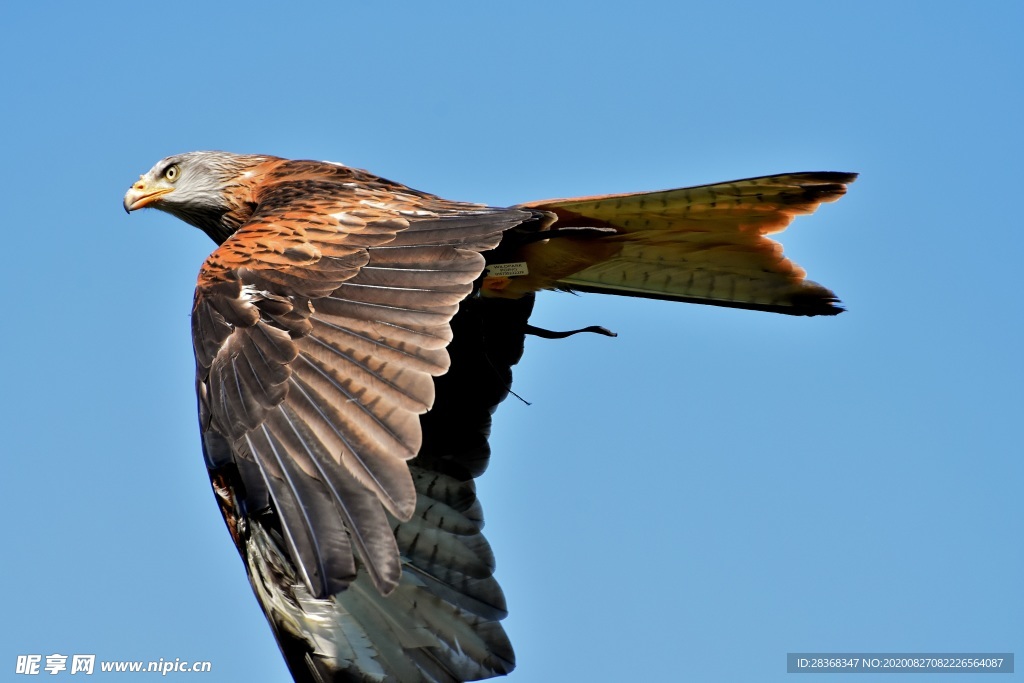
[351, 347]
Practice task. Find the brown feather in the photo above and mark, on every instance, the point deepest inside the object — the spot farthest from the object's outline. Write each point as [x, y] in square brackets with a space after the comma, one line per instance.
[702, 244]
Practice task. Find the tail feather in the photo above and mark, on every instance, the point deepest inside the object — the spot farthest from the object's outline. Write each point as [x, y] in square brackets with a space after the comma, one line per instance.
[702, 244]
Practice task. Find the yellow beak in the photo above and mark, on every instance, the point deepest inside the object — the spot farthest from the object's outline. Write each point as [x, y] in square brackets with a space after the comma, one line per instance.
[140, 194]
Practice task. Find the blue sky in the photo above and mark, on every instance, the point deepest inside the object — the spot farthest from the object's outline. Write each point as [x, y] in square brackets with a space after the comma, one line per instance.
[689, 501]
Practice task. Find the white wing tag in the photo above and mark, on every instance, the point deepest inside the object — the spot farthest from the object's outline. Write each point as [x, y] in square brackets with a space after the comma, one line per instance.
[507, 269]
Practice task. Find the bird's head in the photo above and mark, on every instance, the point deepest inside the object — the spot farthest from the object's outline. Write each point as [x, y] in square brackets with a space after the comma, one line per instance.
[204, 189]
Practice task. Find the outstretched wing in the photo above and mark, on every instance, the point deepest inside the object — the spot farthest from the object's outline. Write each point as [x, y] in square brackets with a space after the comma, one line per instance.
[318, 329]
[703, 244]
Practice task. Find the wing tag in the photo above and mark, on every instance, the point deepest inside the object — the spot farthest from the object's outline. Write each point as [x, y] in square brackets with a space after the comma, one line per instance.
[507, 269]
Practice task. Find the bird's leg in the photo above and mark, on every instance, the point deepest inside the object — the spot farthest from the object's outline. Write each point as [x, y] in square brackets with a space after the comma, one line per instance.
[552, 334]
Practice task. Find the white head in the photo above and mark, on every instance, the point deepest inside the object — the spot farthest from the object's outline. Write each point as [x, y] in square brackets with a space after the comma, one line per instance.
[203, 189]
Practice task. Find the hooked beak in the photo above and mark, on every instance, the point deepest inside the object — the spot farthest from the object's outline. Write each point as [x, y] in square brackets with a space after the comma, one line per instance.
[140, 194]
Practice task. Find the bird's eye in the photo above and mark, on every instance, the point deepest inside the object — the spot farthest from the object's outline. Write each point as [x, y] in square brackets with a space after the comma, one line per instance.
[172, 172]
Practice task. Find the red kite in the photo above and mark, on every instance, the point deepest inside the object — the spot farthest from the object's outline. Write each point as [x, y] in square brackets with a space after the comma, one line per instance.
[352, 338]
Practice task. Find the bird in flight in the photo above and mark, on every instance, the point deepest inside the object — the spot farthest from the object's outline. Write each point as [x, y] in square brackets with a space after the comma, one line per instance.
[352, 338]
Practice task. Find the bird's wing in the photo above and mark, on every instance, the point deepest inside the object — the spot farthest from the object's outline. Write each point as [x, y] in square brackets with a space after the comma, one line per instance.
[318, 329]
[703, 244]
[442, 621]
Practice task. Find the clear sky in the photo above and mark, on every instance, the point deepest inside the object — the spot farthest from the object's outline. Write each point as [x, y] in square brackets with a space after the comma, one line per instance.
[690, 501]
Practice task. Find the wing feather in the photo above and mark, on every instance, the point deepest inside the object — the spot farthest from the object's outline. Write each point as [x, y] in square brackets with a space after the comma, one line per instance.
[359, 509]
[306, 518]
[399, 345]
[319, 326]
[374, 442]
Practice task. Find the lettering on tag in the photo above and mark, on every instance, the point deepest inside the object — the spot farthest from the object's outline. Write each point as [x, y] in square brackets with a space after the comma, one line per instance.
[507, 269]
